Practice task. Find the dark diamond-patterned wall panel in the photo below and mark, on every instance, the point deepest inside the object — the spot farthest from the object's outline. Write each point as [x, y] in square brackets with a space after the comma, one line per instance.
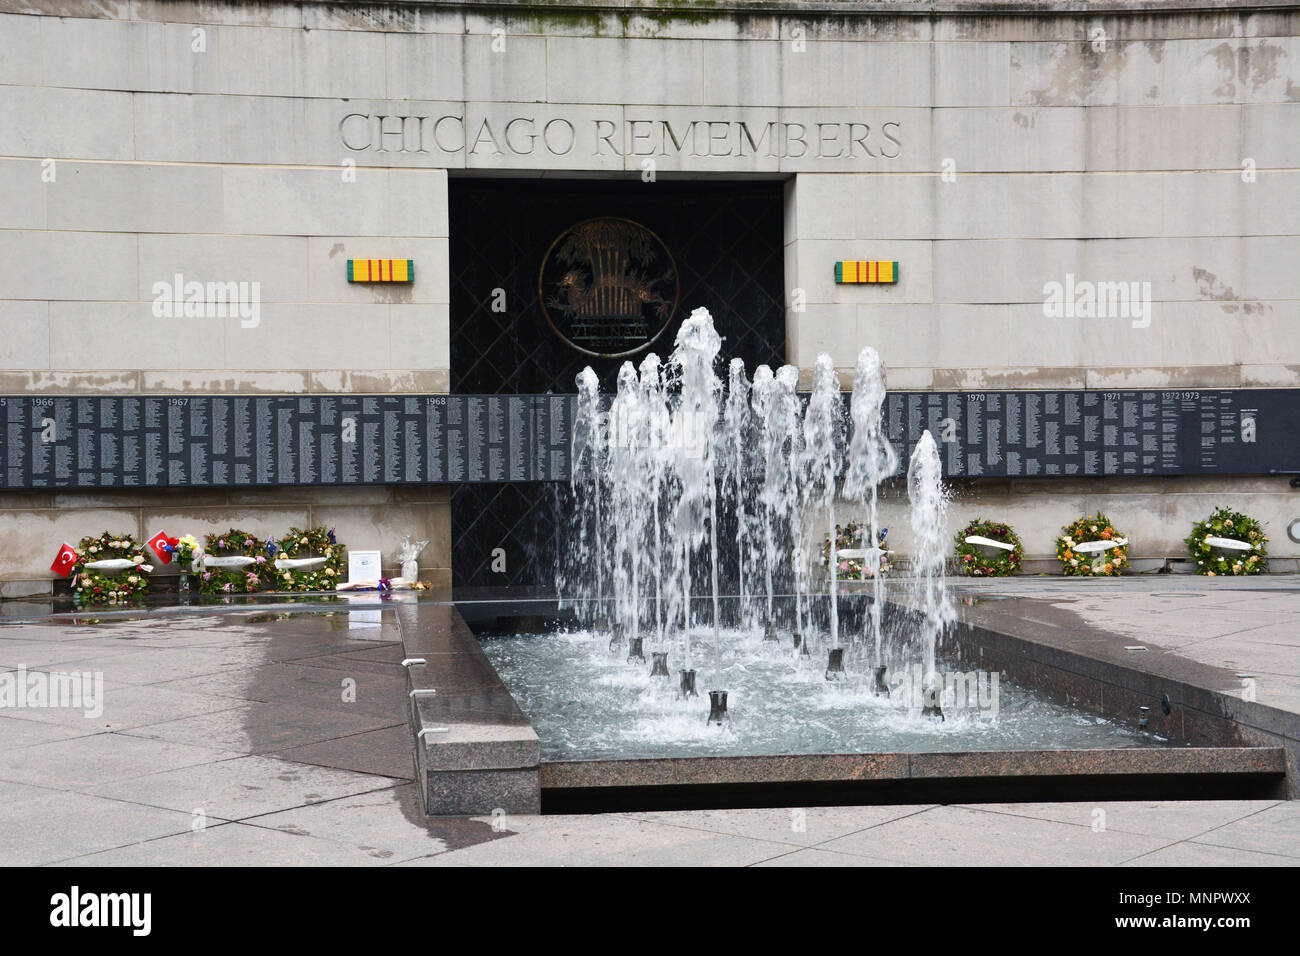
[727, 242]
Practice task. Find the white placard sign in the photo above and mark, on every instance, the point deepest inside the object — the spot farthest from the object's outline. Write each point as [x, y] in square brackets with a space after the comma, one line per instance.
[363, 565]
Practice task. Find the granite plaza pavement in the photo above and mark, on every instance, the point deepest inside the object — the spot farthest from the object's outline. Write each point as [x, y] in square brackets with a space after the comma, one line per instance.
[266, 737]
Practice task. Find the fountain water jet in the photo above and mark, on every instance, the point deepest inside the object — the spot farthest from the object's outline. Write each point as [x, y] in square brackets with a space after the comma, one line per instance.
[871, 459]
[761, 405]
[586, 480]
[823, 428]
[736, 429]
[929, 517]
[781, 489]
[658, 422]
[694, 423]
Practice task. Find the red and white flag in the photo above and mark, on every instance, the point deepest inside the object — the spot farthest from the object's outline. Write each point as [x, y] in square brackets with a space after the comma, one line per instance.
[64, 561]
[162, 545]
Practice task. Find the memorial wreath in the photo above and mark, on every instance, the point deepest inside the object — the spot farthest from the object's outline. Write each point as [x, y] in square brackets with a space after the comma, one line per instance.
[311, 543]
[1092, 561]
[1227, 525]
[851, 537]
[972, 558]
[233, 580]
[111, 585]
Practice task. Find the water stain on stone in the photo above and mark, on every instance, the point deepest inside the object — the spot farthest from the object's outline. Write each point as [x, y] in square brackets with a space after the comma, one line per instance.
[1210, 286]
[1250, 65]
[1081, 72]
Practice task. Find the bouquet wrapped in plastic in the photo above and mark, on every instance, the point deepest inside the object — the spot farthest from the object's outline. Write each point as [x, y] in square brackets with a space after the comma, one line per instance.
[406, 556]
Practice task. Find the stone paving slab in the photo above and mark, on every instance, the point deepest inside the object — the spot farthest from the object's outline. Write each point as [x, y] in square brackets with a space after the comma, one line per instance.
[1275, 829]
[957, 836]
[233, 844]
[385, 752]
[83, 762]
[797, 826]
[260, 727]
[125, 708]
[243, 787]
[17, 731]
[608, 840]
[819, 856]
[61, 825]
[147, 665]
[1199, 854]
[389, 824]
[1171, 820]
[48, 655]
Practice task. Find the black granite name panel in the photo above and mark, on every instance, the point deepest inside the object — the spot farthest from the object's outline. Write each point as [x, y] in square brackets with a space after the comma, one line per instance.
[220, 440]
[1142, 432]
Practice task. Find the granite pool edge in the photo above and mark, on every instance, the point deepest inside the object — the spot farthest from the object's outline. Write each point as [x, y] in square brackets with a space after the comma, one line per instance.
[476, 752]
[1189, 703]
[897, 766]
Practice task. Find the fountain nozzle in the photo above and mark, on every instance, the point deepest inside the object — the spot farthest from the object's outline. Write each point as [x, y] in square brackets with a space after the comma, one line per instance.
[881, 688]
[1144, 718]
[930, 707]
[688, 684]
[616, 639]
[835, 666]
[660, 666]
[717, 707]
[634, 652]
[769, 633]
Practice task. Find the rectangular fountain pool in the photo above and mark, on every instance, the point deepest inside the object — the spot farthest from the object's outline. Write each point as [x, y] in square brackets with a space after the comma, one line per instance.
[588, 702]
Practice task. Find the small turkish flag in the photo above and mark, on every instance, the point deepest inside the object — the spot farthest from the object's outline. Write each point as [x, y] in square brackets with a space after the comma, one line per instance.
[64, 561]
[162, 546]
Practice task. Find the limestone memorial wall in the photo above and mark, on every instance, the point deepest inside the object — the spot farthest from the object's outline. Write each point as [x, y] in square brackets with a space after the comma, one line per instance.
[1098, 199]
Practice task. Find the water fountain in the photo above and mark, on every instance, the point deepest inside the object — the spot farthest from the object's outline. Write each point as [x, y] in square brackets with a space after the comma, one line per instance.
[676, 455]
[689, 493]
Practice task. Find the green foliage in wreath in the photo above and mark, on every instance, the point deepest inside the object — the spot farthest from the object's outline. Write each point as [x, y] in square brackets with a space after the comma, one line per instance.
[95, 586]
[972, 560]
[311, 543]
[851, 537]
[1226, 523]
[1107, 563]
[234, 543]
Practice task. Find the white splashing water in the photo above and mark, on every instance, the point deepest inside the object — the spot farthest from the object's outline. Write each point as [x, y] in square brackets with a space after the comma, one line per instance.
[823, 433]
[871, 459]
[586, 480]
[929, 518]
[691, 367]
[761, 405]
[786, 423]
[658, 421]
[735, 456]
